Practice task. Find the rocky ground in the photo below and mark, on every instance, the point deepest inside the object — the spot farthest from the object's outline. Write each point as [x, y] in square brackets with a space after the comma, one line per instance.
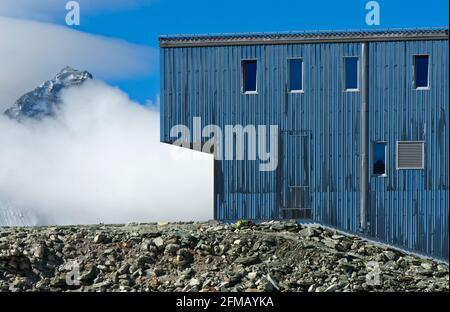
[271, 256]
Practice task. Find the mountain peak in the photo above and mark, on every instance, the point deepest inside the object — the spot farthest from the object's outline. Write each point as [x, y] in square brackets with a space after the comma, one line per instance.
[68, 74]
[45, 99]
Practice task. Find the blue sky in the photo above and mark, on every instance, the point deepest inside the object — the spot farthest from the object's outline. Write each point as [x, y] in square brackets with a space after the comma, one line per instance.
[143, 24]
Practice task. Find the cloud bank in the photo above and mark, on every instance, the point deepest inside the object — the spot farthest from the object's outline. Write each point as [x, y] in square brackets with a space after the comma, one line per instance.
[100, 160]
[30, 52]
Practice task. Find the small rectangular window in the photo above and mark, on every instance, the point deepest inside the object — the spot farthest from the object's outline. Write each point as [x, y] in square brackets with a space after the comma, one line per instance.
[249, 74]
[421, 69]
[351, 73]
[295, 75]
[379, 158]
[410, 155]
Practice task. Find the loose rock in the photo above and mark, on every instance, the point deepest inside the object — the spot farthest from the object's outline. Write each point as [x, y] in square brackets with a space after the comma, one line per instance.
[269, 256]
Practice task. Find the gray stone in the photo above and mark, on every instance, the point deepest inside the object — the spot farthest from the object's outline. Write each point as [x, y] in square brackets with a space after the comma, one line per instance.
[124, 269]
[252, 275]
[194, 282]
[331, 288]
[247, 260]
[89, 275]
[158, 242]
[101, 238]
[172, 249]
[103, 284]
[265, 286]
[273, 282]
[329, 243]
[308, 232]
[390, 255]
[39, 251]
[427, 265]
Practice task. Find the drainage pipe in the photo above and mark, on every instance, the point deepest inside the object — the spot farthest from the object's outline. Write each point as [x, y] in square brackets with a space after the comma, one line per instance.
[364, 137]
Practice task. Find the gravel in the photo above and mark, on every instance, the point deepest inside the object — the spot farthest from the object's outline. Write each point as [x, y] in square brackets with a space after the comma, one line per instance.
[270, 256]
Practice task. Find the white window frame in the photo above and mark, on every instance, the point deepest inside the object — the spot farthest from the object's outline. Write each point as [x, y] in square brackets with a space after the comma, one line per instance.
[386, 166]
[302, 90]
[414, 72]
[358, 73]
[243, 75]
[411, 168]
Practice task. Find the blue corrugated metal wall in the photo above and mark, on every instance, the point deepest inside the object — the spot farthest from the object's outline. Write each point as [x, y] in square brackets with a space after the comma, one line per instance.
[409, 208]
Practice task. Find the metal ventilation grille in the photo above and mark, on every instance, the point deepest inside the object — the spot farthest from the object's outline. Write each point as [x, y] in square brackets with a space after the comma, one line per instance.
[410, 155]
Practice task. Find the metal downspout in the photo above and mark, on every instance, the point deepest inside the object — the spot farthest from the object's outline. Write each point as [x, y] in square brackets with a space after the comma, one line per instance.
[364, 136]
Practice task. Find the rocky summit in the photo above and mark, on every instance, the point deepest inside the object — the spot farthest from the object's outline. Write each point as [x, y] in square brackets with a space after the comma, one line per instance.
[270, 256]
[45, 99]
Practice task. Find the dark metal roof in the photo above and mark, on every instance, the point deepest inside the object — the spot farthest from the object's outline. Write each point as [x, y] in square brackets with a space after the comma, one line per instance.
[438, 33]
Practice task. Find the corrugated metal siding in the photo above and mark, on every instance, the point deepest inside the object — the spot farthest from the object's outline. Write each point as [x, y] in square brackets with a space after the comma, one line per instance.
[206, 82]
[410, 207]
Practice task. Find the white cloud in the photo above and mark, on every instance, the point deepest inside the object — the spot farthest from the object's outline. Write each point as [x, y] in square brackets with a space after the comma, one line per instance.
[31, 52]
[54, 10]
[101, 161]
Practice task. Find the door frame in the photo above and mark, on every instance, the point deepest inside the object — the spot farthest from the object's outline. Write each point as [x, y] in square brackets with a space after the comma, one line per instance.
[285, 187]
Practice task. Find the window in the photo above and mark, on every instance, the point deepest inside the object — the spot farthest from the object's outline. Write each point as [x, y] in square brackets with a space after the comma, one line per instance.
[249, 69]
[379, 158]
[351, 73]
[295, 75]
[410, 155]
[421, 69]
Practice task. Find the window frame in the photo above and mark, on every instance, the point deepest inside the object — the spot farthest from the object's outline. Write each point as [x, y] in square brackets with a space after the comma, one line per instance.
[386, 166]
[358, 73]
[243, 61]
[414, 72]
[410, 168]
[289, 59]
